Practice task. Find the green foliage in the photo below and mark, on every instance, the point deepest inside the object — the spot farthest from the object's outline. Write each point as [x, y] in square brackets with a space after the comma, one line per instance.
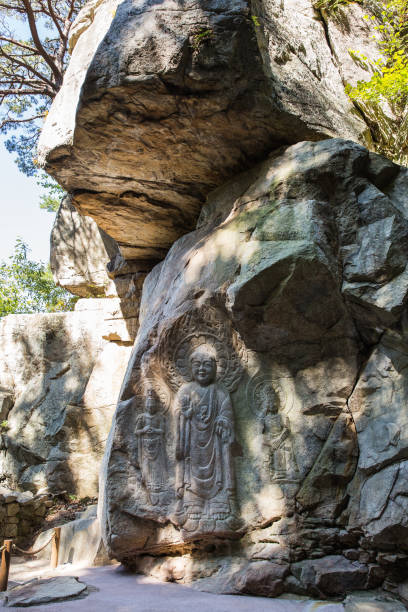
[50, 201]
[27, 286]
[331, 6]
[255, 21]
[4, 425]
[200, 37]
[389, 78]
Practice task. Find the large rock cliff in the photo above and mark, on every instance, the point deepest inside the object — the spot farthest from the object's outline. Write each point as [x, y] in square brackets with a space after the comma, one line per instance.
[262, 414]
[258, 443]
[163, 101]
[60, 379]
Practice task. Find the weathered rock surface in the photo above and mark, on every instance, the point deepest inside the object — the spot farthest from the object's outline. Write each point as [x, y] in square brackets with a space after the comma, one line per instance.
[6, 403]
[350, 34]
[259, 437]
[44, 590]
[64, 372]
[162, 102]
[80, 252]
[87, 262]
[331, 576]
[379, 489]
[372, 602]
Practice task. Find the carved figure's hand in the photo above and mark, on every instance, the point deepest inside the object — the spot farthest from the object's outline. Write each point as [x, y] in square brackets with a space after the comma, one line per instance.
[277, 441]
[223, 429]
[141, 431]
[186, 407]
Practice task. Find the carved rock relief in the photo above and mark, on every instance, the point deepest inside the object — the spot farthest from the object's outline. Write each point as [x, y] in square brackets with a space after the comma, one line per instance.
[186, 426]
[267, 400]
[150, 432]
[200, 361]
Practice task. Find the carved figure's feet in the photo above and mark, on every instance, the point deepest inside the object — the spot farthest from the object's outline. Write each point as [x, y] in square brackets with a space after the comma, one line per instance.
[234, 523]
[190, 525]
[207, 525]
[178, 518]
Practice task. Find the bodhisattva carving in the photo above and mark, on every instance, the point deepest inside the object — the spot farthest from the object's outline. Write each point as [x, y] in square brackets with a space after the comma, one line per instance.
[205, 482]
[280, 460]
[150, 430]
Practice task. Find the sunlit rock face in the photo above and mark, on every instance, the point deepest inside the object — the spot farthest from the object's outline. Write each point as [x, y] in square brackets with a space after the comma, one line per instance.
[80, 252]
[87, 262]
[259, 437]
[164, 101]
[61, 374]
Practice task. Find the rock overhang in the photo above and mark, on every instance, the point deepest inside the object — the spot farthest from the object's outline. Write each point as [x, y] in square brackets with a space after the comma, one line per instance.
[166, 101]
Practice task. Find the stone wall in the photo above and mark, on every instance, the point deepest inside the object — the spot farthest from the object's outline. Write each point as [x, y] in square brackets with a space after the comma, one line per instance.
[80, 541]
[21, 514]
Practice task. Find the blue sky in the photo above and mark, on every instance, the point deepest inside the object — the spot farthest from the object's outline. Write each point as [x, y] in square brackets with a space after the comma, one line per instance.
[19, 200]
[20, 212]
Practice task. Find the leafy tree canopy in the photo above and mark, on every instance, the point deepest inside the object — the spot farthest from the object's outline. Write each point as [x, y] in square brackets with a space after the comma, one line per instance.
[26, 286]
[31, 71]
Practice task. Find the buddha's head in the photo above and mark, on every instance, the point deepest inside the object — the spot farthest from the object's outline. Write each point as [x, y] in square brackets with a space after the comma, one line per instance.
[203, 361]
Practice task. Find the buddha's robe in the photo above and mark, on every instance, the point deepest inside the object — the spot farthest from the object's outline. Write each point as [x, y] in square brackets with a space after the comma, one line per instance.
[205, 433]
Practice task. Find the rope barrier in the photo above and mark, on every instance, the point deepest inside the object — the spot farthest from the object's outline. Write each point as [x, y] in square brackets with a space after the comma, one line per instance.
[33, 552]
[6, 554]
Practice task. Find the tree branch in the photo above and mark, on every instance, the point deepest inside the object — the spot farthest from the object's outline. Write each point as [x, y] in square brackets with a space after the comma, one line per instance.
[21, 88]
[31, 71]
[38, 44]
[18, 92]
[10, 120]
[27, 67]
[19, 44]
[55, 19]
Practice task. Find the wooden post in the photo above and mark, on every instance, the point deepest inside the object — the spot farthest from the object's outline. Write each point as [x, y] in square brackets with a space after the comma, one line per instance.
[5, 564]
[55, 547]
